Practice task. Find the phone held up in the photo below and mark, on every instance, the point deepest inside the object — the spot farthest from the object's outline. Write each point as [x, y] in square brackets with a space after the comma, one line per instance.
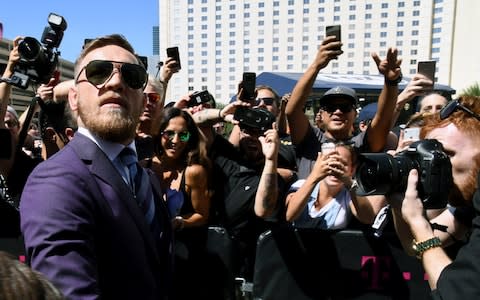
[334, 30]
[248, 86]
[173, 53]
[427, 68]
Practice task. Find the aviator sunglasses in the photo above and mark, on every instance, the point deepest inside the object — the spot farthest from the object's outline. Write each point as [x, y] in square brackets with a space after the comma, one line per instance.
[454, 105]
[184, 136]
[98, 72]
[332, 107]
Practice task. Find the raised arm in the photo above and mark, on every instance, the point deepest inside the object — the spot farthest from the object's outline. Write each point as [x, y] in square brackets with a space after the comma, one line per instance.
[299, 123]
[380, 126]
[418, 85]
[267, 192]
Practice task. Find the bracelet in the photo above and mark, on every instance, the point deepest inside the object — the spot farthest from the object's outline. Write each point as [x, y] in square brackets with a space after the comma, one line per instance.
[394, 81]
[220, 114]
[421, 247]
[353, 187]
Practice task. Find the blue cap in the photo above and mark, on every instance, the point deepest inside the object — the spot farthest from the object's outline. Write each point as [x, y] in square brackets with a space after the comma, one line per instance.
[367, 112]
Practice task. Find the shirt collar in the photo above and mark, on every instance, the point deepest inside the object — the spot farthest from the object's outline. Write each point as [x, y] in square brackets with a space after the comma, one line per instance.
[110, 149]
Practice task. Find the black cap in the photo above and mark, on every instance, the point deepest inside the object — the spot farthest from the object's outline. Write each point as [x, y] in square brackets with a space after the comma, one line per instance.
[342, 92]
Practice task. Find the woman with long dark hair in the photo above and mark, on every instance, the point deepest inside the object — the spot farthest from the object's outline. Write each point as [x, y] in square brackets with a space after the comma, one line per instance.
[183, 169]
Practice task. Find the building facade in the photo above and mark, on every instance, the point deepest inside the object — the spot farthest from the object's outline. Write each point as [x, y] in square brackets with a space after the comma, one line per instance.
[219, 40]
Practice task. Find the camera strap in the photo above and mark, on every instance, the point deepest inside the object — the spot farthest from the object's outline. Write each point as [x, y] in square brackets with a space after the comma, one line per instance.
[24, 130]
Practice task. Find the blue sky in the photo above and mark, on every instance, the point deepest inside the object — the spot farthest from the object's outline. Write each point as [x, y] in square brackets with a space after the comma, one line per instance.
[85, 19]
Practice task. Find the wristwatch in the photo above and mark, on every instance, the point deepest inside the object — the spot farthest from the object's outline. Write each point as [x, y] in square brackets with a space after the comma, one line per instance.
[395, 81]
[421, 247]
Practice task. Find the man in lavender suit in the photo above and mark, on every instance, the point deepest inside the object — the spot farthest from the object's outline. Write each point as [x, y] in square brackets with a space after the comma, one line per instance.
[85, 225]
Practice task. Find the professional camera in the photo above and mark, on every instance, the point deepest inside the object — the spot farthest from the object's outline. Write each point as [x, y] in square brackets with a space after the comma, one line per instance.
[38, 61]
[381, 173]
[257, 118]
[198, 98]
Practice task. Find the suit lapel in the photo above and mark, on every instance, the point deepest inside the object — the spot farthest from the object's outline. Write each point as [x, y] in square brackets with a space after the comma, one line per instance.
[102, 167]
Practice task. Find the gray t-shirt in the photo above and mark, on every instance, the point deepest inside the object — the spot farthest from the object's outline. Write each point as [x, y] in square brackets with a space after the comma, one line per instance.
[307, 150]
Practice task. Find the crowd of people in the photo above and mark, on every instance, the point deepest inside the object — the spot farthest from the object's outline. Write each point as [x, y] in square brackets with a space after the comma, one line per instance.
[119, 200]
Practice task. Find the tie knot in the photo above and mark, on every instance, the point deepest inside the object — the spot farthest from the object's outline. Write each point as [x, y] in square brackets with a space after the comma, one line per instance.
[128, 156]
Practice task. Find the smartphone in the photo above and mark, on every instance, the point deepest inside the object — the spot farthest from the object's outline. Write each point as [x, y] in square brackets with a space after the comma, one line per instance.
[248, 85]
[334, 30]
[173, 52]
[411, 133]
[427, 68]
[328, 147]
[200, 97]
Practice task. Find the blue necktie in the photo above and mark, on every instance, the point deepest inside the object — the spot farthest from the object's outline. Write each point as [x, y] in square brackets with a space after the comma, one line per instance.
[140, 184]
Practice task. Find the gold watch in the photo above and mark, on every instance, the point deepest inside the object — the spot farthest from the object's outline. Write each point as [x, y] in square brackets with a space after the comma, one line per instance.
[421, 247]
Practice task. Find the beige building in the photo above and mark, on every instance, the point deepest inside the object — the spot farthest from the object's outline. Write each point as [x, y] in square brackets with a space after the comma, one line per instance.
[219, 40]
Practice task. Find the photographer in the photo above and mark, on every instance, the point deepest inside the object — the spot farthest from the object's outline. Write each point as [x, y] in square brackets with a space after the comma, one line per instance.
[457, 127]
[18, 165]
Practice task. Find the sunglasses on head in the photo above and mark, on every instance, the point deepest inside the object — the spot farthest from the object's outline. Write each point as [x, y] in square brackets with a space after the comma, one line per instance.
[332, 107]
[153, 97]
[266, 101]
[184, 136]
[98, 72]
[454, 105]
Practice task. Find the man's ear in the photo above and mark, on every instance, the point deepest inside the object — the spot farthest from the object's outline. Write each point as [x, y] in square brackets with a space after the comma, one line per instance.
[69, 132]
[73, 98]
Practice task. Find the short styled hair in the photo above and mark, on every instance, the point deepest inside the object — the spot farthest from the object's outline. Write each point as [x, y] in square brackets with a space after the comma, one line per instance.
[112, 39]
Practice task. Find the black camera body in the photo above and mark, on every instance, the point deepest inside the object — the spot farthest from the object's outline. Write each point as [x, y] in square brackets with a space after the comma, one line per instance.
[381, 173]
[39, 60]
[200, 97]
[256, 118]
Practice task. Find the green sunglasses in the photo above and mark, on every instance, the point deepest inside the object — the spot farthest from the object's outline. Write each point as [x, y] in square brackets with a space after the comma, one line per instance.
[170, 135]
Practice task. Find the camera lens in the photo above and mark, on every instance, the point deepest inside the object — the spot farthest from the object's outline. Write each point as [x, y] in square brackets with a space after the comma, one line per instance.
[29, 48]
[376, 174]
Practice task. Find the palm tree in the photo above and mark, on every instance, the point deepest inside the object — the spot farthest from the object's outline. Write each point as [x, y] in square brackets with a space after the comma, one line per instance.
[473, 90]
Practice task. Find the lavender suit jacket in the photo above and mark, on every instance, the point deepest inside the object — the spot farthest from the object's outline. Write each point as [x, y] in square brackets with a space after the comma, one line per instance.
[84, 230]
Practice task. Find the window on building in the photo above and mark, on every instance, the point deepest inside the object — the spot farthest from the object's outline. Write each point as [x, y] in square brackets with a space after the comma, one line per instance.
[400, 14]
[384, 5]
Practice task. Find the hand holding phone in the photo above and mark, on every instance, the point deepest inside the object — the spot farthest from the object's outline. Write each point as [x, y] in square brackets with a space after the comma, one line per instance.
[411, 133]
[174, 53]
[334, 30]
